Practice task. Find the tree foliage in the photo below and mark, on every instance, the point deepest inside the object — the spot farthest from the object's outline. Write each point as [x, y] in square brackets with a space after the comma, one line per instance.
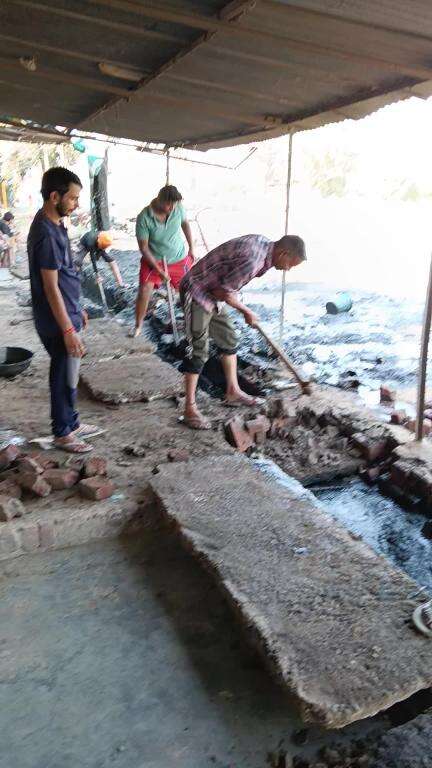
[26, 155]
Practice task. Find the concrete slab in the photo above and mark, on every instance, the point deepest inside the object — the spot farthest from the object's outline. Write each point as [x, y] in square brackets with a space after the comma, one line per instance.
[131, 379]
[105, 339]
[331, 618]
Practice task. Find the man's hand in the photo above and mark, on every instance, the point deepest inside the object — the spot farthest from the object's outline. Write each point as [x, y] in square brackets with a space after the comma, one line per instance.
[85, 319]
[250, 317]
[191, 255]
[74, 345]
[166, 278]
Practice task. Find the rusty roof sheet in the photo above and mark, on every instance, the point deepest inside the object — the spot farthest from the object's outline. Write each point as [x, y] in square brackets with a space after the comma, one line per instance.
[207, 73]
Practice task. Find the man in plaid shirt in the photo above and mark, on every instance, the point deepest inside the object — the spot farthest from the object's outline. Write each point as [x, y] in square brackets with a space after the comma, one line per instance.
[212, 282]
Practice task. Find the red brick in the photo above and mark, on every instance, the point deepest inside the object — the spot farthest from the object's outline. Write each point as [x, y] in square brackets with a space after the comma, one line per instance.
[258, 428]
[371, 474]
[33, 483]
[427, 426]
[74, 462]
[96, 466]
[10, 488]
[373, 449]
[387, 395]
[277, 425]
[59, 479]
[399, 417]
[178, 454]
[96, 488]
[44, 459]
[400, 474]
[421, 481]
[10, 507]
[237, 434]
[8, 455]
[27, 464]
[46, 535]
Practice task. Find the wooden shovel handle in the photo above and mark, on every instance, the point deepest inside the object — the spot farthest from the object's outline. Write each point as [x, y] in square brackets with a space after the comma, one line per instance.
[280, 353]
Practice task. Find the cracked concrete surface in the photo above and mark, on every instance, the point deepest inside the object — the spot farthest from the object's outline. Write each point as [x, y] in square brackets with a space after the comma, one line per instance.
[330, 617]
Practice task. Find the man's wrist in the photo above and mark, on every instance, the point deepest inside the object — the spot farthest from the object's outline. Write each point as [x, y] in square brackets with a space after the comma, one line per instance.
[69, 330]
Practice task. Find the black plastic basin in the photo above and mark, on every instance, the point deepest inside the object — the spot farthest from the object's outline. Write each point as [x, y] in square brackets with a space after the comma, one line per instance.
[14, 360]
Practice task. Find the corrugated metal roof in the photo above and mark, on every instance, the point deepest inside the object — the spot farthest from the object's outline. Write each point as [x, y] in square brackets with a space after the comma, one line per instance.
[203, 73]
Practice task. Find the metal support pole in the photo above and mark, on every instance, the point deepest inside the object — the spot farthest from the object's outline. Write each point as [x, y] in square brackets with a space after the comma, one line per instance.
[167, 166]
[424, 358]
[287, 210]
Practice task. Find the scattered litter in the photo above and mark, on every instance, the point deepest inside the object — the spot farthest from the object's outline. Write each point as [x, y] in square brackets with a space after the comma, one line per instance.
[280, 386]
[42, 442]
[117, 497]
[9, 437]
[300, 550]
[134, 450]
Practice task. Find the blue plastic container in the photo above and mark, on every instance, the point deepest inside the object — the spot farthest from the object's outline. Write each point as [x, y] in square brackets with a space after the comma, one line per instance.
[342, 302]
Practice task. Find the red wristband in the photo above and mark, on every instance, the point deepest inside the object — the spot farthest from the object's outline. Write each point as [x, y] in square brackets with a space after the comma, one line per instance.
[69, 330]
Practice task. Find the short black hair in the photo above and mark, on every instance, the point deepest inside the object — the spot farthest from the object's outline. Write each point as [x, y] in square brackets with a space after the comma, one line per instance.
[169, 194]
[58, 180]
[8, 216]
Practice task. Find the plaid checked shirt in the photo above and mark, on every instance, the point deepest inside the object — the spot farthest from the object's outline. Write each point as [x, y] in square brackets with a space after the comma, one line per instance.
[229, 267]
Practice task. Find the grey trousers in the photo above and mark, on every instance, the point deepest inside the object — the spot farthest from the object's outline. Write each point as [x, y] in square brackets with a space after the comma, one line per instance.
[201, 326]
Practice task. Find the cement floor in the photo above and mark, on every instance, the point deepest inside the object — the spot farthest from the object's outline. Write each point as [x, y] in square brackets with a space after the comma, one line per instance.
[123, 654]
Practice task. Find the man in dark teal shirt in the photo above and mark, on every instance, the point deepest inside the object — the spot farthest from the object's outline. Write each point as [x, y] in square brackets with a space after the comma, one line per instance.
[55, 288]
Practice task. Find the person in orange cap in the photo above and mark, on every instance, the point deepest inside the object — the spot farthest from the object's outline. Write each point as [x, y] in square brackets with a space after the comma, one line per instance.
[95, 244]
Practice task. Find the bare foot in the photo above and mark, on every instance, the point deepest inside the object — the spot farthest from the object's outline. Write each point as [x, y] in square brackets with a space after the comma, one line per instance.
[193, 419]
[135, 333]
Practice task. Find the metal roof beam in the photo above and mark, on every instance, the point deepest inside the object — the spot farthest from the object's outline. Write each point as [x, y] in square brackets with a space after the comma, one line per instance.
[233, 10]
[117, 26]
[319, 76]
[198, 105]
[36, 45]
[65, 78]
[286, 7]
[210, 24]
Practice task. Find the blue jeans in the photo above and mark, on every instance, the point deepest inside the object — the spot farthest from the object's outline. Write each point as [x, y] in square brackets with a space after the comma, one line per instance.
[64, 416]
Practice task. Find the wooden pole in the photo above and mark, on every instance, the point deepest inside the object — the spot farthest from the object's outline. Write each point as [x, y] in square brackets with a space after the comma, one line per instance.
[287, 210]
[424, 358]
[167, 166]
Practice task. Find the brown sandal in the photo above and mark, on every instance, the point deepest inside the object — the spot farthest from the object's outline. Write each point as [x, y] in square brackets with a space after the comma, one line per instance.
[73, 446]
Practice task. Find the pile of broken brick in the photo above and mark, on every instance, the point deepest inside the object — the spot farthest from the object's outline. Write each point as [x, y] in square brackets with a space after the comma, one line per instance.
[388, 397]
[33, 474]
[376, 449]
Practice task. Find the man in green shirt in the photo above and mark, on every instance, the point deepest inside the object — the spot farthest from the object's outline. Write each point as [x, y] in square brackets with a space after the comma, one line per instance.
[159, 229]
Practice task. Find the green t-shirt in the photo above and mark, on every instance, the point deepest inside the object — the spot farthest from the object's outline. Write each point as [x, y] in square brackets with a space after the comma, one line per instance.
[164, 238]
